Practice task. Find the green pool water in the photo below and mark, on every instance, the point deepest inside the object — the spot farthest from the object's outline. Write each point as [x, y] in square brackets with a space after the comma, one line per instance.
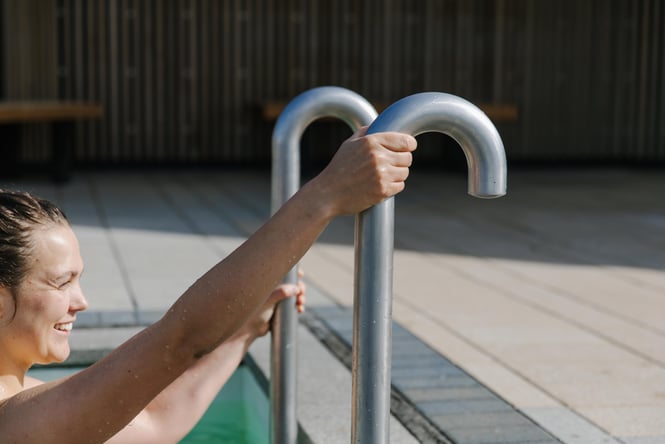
[238, 415]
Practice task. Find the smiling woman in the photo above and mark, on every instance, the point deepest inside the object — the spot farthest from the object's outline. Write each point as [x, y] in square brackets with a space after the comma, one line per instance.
[40, 268]
[50, 295]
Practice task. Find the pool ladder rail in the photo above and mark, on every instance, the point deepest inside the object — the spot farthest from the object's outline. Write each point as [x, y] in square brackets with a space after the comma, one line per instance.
[374, 241]
[355, 111]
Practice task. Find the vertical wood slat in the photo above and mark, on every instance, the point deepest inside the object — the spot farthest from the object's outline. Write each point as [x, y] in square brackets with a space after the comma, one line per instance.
[642, 92]
[180, 80]
[181, 69]
[125, 79]
[655, 40]
[145, 77]
[660, 124]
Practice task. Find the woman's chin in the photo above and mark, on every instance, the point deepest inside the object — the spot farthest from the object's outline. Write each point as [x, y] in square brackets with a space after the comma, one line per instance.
[56, 356]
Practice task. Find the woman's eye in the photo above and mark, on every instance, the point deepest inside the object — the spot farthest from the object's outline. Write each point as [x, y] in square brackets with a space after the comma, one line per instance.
[65, 285]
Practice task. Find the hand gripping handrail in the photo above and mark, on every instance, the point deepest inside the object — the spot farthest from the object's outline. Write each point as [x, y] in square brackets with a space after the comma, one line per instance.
[355, 111]
[486, 160]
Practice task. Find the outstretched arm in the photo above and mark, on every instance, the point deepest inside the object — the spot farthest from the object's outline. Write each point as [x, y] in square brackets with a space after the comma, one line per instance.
[95, 404]
[175, 411]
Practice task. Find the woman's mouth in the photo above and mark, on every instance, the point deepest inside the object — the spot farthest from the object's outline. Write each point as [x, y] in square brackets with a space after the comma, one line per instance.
[65, 326]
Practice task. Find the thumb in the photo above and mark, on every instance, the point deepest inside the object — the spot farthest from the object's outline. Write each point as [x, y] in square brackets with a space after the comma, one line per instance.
[360, 132]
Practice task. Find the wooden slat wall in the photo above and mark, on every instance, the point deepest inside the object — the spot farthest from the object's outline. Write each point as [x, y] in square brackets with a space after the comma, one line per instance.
[591, 86]
[29, 65]
[181, 80]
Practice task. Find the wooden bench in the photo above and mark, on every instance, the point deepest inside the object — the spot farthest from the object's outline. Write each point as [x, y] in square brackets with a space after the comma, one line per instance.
[62, 116]
[497, 112]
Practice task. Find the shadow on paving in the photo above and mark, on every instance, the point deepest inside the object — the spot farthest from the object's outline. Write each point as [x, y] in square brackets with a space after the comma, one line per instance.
[566, 216]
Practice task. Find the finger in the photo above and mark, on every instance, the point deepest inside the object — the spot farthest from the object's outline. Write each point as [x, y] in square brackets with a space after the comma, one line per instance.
[402, 158]
[393, 188]
[300, 297]
[284, 291]
[399, 174]
[300, 303]
[395, 141]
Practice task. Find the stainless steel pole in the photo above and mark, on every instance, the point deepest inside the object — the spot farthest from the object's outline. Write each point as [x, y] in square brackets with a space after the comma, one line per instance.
[355, 111]
[486, 159]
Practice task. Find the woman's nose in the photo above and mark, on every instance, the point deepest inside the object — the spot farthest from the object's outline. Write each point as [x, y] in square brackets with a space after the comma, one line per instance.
[78, 302]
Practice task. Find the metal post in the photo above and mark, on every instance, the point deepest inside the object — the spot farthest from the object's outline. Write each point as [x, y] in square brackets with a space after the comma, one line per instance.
[355, 111]
[482, 145]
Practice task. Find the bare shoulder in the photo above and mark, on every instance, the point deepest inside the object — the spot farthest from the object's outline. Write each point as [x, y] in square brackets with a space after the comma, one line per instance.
[7, 392]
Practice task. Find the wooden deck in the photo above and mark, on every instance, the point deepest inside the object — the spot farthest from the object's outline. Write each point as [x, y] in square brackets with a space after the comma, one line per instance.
[553, 296]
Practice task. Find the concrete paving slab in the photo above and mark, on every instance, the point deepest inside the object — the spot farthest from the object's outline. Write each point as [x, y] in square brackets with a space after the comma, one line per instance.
[568, 426]
[643, 440]
[629, 420]
[500, 435]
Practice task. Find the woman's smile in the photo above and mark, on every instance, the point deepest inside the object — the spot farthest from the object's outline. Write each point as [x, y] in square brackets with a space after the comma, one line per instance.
[65, 327]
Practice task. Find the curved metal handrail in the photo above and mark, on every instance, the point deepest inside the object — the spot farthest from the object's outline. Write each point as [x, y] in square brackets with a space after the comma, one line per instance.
[355, 111]
[486, 160]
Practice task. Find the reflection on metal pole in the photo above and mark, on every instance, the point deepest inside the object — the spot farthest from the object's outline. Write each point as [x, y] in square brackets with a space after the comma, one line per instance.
[485, 155]
[355, 111]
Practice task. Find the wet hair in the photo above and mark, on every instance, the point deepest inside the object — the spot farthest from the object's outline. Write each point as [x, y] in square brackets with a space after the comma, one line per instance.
[21, 214]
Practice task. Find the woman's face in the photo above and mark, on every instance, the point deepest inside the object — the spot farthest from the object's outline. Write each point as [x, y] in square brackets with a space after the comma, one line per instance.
[46, 301]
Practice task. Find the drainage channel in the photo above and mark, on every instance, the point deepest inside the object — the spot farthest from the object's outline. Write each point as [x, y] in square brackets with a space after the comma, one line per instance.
[434, 399]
